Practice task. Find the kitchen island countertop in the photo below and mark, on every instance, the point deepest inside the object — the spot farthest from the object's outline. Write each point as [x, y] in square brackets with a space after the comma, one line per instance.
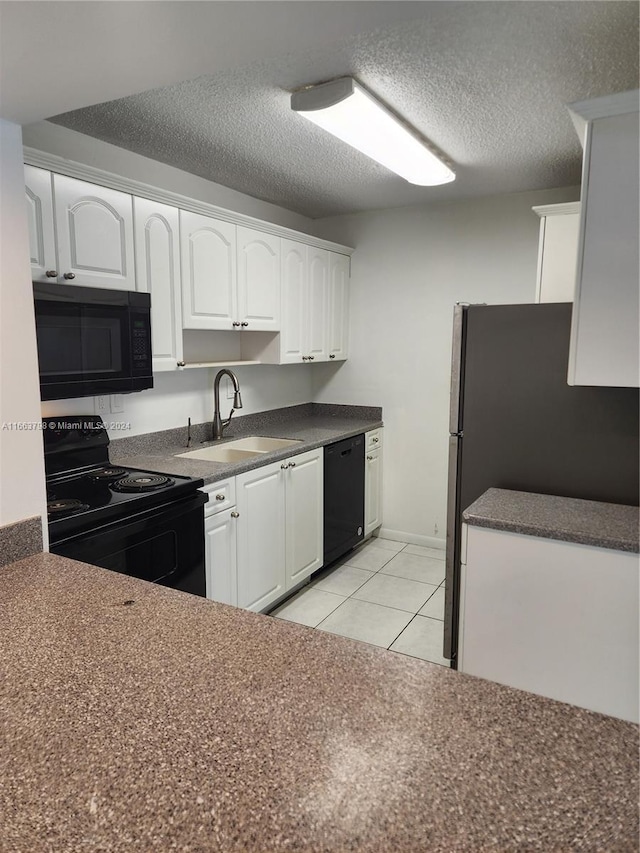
[138, 717]
[313, 425]
[602, 525]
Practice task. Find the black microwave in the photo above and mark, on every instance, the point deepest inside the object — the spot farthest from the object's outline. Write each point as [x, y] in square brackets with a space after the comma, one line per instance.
[92, 340]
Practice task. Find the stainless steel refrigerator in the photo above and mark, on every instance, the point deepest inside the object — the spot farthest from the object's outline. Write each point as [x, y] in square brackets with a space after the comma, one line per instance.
[516, 424]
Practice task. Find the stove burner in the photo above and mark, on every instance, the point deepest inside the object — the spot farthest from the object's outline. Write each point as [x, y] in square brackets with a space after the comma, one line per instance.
[106, 474]
[141, 483]
[66, 506]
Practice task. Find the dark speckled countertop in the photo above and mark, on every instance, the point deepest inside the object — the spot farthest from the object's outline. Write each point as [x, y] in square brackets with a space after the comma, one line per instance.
[603, 525]
[135, 717]
[313, 424]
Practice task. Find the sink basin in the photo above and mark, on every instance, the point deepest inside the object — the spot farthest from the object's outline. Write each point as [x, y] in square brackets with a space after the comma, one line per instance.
[242, 448]
[258, 444]
[220, 454]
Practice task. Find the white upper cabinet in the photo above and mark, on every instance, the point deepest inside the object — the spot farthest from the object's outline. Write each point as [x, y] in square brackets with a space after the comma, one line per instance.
[338, 317]
[293, 336]
[318, 305]
[258, 280]
[605, 331]
[42, 248]
[157, 250]
[558, 252]
[95, 234]
[208, 251]
[315, 304]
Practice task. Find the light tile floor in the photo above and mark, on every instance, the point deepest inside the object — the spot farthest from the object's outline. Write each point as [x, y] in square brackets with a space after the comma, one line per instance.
[385, 593]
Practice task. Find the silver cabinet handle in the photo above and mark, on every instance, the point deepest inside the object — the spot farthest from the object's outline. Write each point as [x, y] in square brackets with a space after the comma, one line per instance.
[284, 466]
[181, 364]
[292, 464]
[235, 323]
[69, 276]
[375, 440]
[305, 358]
[311, 357]
[332, 355]
[219, 497]
[370, 458]
[51, 274]
[235, 514]
[244, 323]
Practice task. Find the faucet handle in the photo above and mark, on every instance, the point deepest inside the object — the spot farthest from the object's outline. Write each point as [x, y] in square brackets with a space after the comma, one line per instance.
[226, 423]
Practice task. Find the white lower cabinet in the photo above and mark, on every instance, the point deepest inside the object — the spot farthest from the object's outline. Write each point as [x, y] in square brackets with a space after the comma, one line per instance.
[272, 539]
[220, 554]
[373, 481]
[261, 537]
[555, 618]
[303, 515]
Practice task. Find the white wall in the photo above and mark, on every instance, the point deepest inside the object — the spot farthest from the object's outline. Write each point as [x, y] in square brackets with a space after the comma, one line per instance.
[189, 394]
[72, 145]
[411, 265]
[22, 492]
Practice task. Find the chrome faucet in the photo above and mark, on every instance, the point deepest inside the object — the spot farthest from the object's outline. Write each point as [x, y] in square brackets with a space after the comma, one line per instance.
[218, 424]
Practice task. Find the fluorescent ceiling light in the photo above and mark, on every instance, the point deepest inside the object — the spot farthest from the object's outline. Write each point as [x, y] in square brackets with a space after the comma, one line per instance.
[349, 112]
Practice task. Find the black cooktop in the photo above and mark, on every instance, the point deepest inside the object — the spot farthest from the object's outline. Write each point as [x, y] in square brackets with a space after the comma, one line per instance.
[85, 491]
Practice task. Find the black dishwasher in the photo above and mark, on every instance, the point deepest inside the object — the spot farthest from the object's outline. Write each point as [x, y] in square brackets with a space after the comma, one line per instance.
[343, 496]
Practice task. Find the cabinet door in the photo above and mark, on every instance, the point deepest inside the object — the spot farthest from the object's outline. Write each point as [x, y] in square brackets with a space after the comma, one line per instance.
[304, 512]
[40, 218]
[372, 491]
[294, 301]
[220, 553]
[261, 536]
[318, 303]
[95, 234]
[558, 257]
[338, 318]
[208, 251]
[258, 280]
[157, 247]
[605, 336]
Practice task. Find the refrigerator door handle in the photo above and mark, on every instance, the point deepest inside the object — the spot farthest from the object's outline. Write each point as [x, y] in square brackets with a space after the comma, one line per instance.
[457, 361]
[452, 579]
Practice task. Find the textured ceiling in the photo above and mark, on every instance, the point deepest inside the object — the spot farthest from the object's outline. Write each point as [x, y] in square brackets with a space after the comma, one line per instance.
[487, 82]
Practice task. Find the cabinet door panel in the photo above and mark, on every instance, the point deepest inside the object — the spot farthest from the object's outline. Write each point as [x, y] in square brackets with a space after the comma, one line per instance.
[208, 271]
[220, 551]
[40, 218]
[258, 279]
[338, 323]
[304, 510]
[318, 289]
[95, 234]
[158, 273]
[373, 491]
[261, 542]
[294, 285]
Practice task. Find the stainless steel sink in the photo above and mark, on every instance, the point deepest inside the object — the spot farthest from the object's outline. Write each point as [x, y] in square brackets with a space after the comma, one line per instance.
[242, 448]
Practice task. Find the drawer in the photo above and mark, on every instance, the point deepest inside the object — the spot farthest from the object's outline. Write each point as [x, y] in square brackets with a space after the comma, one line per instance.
[374, 439]
[222, 495]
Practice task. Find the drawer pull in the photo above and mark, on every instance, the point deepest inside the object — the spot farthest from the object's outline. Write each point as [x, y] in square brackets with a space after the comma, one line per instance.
[235, 514]
[219, 497]
[375, 440]
[370, 458]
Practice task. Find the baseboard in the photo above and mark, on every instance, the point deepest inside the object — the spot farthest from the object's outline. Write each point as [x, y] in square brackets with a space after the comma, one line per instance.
[411, 538]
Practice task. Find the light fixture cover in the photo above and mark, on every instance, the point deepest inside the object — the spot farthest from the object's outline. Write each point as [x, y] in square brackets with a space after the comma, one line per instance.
[345, 109]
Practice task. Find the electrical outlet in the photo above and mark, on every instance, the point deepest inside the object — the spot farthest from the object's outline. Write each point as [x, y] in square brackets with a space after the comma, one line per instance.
[117, 403]
[101, 405]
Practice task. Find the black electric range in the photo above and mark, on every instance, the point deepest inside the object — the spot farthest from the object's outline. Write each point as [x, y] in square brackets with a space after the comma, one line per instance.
[141, 523]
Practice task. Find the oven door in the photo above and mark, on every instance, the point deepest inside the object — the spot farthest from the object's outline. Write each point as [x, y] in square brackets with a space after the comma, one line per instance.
[164, 545]
[91, 341]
